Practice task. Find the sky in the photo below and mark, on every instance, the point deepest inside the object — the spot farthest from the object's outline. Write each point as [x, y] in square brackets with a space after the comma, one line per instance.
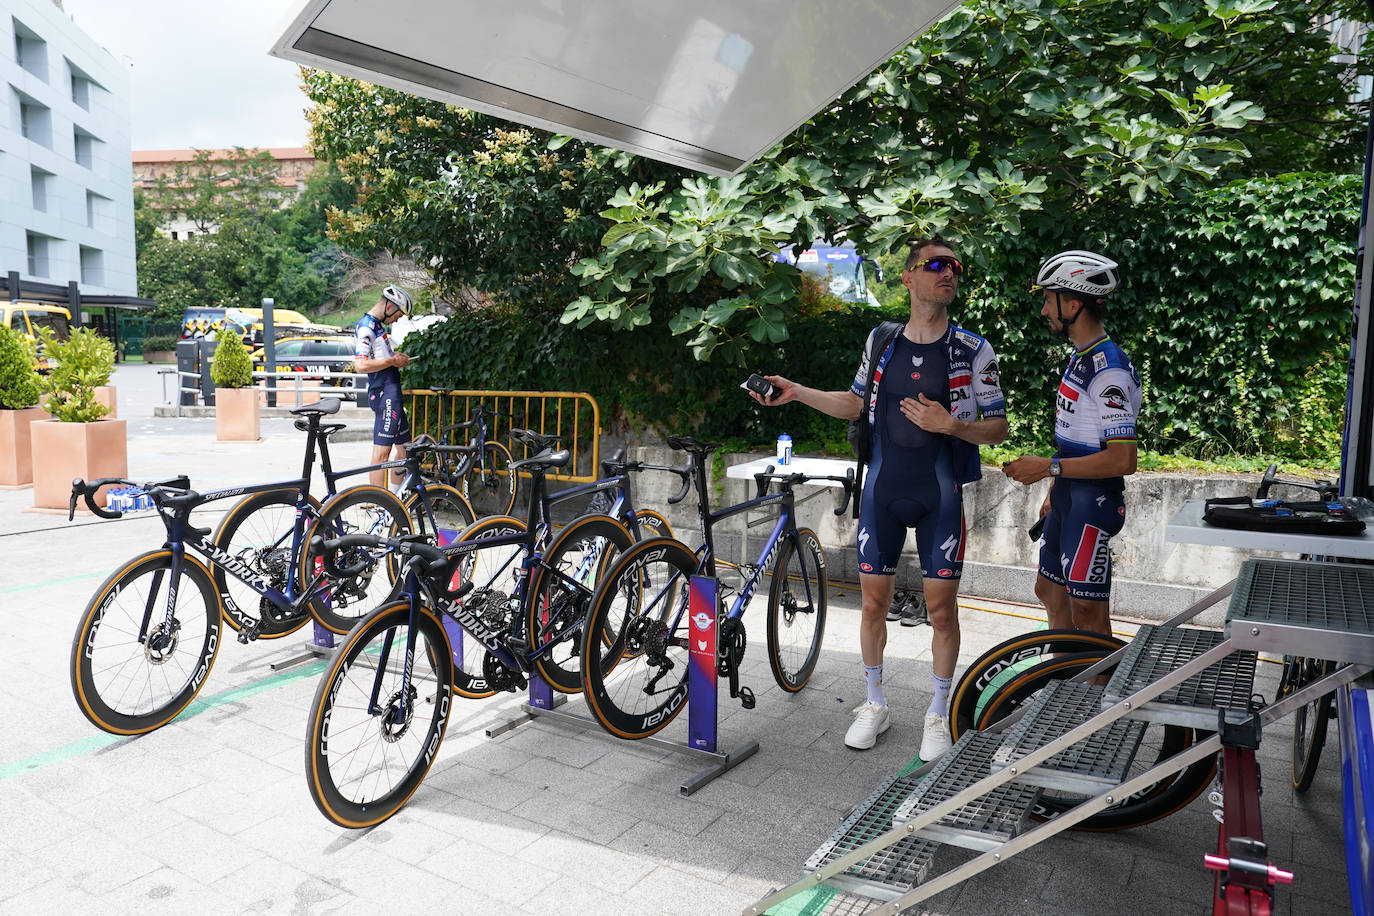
[199, 73]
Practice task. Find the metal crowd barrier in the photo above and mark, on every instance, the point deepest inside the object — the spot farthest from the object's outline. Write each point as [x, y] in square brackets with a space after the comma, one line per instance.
[573, 416]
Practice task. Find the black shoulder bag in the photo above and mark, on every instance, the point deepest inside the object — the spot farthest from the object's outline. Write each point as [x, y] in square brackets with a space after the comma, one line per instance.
[860, 435]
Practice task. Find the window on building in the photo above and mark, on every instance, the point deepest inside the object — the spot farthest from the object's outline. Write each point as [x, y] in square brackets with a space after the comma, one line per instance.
[30, 51]
[99, 212]
[38, 254]
[174, 235]
[83, 147]
[40, 181]
[92, 266]
[35, 121]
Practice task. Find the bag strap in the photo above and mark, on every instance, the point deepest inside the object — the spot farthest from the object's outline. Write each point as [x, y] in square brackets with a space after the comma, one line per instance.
[885, 334]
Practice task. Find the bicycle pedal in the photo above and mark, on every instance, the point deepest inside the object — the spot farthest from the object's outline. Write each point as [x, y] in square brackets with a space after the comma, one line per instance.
[249, 634]
[746, 698]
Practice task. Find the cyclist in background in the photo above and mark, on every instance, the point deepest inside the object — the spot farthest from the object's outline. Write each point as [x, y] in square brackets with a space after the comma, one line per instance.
[930, 385]
[1095, 445]
[374, 356]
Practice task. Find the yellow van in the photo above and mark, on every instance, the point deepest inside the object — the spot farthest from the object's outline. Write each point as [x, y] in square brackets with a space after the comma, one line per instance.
[28, 317]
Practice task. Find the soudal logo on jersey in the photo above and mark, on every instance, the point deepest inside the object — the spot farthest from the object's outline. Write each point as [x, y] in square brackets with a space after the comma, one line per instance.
[1067, 398]
[1092, 561]
[961, 380]
[1113, 397]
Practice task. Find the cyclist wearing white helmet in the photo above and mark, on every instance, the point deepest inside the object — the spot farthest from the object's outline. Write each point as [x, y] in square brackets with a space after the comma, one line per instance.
[1095, 441]
[935, 396]
[374, 355]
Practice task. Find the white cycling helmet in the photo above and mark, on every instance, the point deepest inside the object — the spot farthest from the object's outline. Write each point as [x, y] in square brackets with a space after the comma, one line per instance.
[399, 298]
[1077, 272]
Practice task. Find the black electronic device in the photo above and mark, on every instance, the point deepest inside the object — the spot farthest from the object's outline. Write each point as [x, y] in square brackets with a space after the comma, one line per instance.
[760, 385]
[1036, 530]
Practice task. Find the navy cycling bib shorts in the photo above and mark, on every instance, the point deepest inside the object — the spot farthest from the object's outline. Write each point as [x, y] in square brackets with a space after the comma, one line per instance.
[390, 426]
[1078, 530]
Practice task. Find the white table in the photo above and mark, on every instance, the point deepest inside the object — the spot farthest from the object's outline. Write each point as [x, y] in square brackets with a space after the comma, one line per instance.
[1187, 527]
[834, 467]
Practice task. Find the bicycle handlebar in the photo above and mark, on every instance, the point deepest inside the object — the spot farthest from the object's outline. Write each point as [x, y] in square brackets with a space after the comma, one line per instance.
[1325, 491]
[87, 491]
[433, 557]
[846, 483]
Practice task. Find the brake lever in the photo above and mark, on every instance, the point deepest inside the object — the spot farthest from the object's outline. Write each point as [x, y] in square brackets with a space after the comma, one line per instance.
[848, 486]
[686, 484]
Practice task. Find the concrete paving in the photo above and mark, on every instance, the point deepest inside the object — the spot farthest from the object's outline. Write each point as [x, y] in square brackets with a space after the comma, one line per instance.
[210, 814]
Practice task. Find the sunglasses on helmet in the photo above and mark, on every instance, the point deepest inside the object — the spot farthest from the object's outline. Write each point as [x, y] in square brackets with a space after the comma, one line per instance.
[938, 265]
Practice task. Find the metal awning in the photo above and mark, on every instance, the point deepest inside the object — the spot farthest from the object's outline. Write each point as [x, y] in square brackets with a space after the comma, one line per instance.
[708, 85]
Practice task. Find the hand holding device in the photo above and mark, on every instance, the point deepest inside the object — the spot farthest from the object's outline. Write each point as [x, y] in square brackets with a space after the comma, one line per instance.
[760, 385]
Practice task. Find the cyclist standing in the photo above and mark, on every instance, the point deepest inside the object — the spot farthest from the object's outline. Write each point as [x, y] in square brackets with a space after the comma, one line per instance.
[374, 356]
[931, 382]
[1095, 445]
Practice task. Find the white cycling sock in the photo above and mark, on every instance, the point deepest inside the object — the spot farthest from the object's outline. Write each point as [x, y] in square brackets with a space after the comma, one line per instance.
[873, 678]
[939, 703]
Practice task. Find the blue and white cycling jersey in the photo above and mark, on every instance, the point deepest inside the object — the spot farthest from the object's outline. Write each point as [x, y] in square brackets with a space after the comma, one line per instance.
[1098, 401]
[371, 341]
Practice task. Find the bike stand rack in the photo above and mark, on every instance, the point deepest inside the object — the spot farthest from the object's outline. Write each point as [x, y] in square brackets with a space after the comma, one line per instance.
[702, 700]
[320, 647]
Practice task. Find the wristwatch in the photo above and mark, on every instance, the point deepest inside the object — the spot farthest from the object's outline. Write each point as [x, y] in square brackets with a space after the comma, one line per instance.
[1055, 470]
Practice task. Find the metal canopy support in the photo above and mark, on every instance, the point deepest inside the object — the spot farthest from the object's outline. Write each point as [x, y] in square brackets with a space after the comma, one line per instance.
[1357, 443]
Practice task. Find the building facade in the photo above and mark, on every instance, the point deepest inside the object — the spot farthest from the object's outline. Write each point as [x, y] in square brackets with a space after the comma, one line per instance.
[153, 167]
[66, 196]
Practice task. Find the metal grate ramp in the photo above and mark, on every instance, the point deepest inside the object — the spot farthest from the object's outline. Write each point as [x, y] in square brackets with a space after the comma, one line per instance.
[1100, 762]
[1159, 650]
[890, 873]
[1289, 607]
[984, 823]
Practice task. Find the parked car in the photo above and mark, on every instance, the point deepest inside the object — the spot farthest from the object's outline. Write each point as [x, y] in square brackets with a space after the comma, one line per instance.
[309, 355]
[28, 317]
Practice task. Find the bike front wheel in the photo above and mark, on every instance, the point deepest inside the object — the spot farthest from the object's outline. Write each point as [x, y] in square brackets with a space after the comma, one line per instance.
[796, 610]
[132, 668]
[1309, 721]
[642, 604]
[557, 610]
[378, 716]
[489, 484]
[258, 531]
[365, 509]
[449, 513]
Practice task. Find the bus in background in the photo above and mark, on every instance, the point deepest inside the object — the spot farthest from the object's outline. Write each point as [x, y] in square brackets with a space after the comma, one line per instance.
[840, 268]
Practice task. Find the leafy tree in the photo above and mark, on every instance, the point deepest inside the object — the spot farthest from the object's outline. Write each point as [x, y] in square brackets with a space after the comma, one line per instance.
[213, 188]
[1008, 117]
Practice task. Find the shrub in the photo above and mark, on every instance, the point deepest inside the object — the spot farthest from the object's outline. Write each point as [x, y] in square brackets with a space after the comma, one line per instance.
[18, 380]
[160, 342]
[84, 363]
[232, 367]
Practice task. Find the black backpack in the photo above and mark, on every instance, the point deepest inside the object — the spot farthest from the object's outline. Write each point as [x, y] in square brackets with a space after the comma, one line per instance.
[860, 435]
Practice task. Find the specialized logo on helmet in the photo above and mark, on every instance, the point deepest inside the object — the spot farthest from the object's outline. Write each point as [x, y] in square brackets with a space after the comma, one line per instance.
[1113, 397]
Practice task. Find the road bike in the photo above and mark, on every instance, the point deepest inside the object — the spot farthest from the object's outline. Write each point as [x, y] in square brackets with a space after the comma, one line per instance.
[266, 530]
[148, 637]
[483, 471]
[636, 675]
[477, 616]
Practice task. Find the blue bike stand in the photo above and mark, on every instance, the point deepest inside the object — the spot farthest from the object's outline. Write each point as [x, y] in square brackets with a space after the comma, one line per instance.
[702, 708]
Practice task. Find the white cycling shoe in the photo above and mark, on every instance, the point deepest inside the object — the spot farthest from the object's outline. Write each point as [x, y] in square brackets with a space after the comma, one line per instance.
[935, 739]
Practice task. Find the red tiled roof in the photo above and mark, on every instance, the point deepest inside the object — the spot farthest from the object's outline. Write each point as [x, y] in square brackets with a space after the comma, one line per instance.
[186, 155]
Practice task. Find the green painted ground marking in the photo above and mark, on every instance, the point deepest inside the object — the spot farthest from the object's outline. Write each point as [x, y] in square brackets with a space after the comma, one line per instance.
[96, 742]
[64, 579]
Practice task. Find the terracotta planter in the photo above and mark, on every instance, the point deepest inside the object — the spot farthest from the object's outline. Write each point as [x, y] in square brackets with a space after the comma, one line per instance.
[105, 394]
[159, 356]
[16, 457]
[62, 451]
[236, 414]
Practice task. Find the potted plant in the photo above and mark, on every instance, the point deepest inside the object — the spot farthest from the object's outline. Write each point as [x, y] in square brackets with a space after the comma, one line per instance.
[19, 391]
[160, 348]
[80, 441]
[236, 401]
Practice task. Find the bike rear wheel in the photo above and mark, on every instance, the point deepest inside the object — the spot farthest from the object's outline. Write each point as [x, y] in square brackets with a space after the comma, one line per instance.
[378, 716]
[642, 603]
[257, 531]
[562, 593]
[130, 677]
[796, 610]
[364, 509]
[489, 484]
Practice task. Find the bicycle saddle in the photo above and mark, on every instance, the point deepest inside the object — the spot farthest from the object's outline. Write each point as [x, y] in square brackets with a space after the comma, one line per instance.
[556, 459]
[536, 441]
[692, 446]
[320, 408]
